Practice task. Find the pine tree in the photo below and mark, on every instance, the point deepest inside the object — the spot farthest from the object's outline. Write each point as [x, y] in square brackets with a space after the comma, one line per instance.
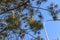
[14, 15]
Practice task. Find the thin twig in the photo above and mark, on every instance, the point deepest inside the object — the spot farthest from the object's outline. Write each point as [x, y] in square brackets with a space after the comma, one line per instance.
[31, 35]
[38, 8]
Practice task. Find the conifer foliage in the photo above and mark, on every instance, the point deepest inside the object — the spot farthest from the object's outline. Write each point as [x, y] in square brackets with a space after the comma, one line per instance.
[15, 13]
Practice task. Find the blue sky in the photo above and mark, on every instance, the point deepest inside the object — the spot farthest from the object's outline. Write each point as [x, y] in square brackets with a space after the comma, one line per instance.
[52, 27]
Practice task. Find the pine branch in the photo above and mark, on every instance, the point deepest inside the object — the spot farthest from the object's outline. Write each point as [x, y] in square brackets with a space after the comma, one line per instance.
[13, 8]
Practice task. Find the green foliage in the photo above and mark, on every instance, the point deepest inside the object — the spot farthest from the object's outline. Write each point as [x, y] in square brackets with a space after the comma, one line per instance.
[5, 34]
[36, 25]
[39, 38]
[13, 21]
